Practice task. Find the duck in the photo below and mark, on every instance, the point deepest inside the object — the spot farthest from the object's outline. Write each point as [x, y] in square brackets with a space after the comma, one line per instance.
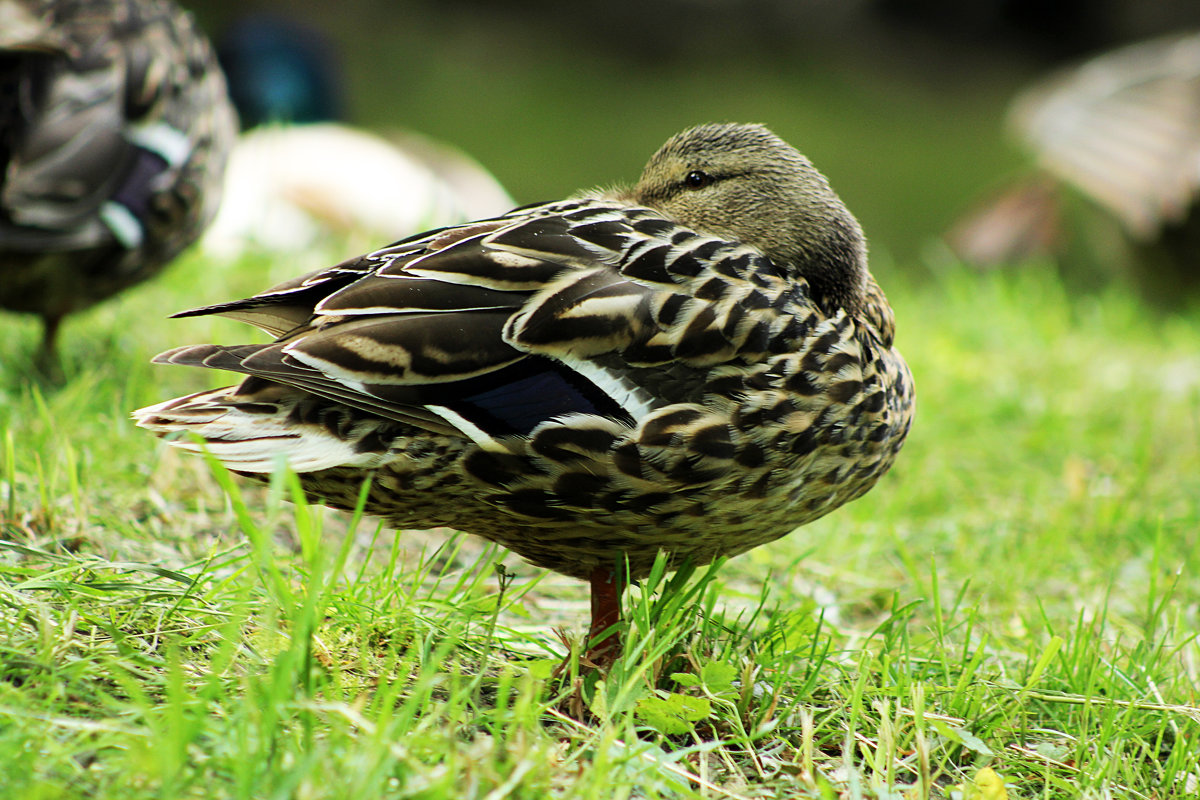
[693, 366]
[1115, 145]
[114, 128]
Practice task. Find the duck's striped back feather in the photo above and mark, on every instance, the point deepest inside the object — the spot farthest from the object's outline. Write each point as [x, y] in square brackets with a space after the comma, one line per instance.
[512, 318]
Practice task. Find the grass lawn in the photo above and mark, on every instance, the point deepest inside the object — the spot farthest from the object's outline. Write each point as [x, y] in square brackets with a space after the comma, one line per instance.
[1011, 611]
[1016, 601]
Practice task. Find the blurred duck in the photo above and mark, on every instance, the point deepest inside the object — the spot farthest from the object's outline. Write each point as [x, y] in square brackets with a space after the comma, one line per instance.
[114, 126]
[694, 365]
[1123, 131]
[299, 180]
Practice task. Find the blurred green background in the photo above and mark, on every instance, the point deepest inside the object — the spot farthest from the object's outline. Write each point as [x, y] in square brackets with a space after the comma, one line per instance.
[901, 103]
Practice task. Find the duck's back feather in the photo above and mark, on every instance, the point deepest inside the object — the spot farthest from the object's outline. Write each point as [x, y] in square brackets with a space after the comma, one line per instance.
[499, 326]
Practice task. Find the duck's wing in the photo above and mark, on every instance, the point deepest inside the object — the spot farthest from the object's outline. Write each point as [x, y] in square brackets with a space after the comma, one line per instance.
[1124, 128]
[489, 329]
[107, 103]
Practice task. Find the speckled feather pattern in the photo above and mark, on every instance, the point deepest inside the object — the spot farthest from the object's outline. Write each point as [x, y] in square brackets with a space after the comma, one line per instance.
[581, 381]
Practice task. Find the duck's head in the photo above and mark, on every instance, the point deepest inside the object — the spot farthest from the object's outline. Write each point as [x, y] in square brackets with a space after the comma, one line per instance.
[744, 182]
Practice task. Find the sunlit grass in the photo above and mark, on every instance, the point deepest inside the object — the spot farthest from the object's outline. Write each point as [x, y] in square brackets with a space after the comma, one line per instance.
[1020, 594]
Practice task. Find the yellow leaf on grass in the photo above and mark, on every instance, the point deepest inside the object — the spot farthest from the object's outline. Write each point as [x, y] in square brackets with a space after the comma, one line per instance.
[986, 785]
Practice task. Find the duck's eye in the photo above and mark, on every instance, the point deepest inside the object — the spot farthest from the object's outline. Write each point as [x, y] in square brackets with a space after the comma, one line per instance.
[697, 179]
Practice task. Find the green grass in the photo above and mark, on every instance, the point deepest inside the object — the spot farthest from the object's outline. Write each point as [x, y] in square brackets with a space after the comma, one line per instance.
[1019, 594]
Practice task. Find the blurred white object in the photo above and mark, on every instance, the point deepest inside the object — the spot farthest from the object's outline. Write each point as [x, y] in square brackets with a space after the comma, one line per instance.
[296, 188]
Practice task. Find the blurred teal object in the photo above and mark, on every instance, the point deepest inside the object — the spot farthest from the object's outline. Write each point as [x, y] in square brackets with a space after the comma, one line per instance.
[280, 70]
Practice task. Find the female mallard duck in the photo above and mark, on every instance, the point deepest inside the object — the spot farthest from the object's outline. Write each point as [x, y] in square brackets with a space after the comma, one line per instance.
[697, 365]
[114, 124]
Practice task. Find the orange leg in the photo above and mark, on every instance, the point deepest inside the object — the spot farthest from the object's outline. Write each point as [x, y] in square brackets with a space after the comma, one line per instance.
[603, 650]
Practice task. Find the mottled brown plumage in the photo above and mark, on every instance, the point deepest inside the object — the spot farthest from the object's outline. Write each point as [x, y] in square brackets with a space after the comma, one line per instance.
[114, 125]
[696, 365]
